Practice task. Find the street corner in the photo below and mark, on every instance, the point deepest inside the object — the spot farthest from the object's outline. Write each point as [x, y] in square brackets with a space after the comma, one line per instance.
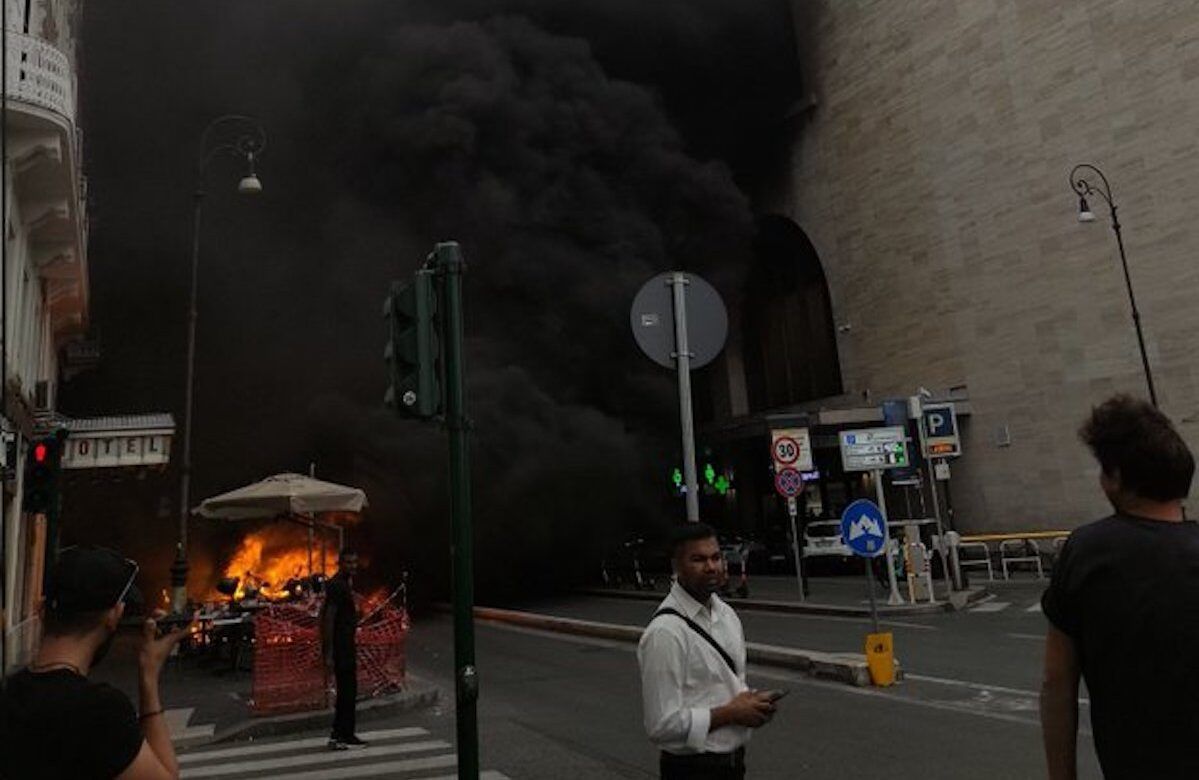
[418, 693]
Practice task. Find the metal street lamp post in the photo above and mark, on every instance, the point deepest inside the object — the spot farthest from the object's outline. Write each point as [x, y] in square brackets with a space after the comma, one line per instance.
[1084, 188]
[245, 139]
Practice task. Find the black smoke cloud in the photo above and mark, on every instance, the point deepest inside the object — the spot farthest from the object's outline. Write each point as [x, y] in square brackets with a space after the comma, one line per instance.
[390, 129]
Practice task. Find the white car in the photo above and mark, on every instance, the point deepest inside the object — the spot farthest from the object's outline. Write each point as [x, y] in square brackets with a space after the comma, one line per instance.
[822, 538]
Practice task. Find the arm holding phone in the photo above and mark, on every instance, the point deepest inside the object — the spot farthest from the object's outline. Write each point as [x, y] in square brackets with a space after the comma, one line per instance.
[156, 759]
[752, 709]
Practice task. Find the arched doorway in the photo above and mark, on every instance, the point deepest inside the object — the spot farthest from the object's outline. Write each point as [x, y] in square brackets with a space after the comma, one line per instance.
[790, 340]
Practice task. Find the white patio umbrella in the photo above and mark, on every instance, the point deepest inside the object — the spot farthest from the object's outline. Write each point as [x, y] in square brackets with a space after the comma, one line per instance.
[282, 495]
[288, 496]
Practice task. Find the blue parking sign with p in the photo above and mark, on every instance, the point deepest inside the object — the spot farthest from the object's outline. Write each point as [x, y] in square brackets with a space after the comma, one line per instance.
[939, 421]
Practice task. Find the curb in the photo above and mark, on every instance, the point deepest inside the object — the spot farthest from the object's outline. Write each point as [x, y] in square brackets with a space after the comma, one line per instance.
[971, 596]
[417, 694]
[848, 668]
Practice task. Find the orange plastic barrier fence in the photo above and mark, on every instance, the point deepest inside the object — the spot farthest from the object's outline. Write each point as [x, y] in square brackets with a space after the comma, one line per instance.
[289, 675]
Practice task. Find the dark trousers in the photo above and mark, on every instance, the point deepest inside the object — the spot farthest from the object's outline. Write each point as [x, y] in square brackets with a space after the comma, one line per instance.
[707, 766]
[346, 674]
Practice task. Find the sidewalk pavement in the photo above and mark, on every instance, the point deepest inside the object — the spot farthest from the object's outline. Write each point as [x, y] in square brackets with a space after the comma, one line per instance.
[849, 668]
[208, 703]
[845, 596]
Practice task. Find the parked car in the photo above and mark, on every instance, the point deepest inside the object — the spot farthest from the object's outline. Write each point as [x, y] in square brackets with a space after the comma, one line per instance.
[822, 538]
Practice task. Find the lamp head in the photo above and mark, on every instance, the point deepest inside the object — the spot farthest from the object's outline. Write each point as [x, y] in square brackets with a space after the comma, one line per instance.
[249, 184]
[1084, 210]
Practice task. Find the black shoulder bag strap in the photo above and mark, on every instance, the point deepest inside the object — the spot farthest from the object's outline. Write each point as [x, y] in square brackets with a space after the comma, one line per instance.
[728, 659]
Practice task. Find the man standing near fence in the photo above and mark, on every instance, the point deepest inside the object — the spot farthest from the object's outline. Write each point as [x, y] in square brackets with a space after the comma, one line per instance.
[339, 622]
[1123, 608]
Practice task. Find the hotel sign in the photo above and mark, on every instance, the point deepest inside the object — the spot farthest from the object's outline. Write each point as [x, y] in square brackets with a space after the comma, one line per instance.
[94, 444]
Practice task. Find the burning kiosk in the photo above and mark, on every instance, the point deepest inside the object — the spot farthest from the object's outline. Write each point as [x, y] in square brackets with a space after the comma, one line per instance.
[288, 673]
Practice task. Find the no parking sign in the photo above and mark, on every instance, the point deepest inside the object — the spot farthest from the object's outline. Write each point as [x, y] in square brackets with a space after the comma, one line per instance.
[788, 482]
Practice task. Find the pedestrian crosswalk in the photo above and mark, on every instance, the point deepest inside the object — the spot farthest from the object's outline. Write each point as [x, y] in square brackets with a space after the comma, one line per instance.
[1000, 606]
[408, 753]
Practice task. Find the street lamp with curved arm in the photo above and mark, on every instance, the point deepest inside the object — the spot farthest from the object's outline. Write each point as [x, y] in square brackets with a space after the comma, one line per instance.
[1082, 181]
[241, 137]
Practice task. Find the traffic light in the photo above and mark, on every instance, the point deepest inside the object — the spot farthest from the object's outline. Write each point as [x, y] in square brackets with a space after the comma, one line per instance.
[413, 347]
[42, 467]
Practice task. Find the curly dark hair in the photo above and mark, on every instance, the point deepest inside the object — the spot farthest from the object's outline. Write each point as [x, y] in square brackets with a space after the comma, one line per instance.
[1133, 440]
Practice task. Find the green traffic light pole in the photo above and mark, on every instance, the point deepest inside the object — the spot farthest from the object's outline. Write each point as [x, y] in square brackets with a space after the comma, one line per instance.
[447, 259]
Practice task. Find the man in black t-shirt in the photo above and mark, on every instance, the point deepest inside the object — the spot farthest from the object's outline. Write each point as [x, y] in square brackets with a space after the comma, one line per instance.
[339, 623]
[1123, 608]
[54, 721]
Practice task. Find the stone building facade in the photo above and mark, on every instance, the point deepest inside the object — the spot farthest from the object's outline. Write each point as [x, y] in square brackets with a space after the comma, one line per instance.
[929, 170]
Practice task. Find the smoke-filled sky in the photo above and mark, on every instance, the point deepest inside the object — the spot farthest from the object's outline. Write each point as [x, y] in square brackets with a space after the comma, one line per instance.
[573, 151]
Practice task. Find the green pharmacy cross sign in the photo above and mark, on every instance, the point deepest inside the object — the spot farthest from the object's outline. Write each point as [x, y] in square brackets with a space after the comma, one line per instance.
[719, 482]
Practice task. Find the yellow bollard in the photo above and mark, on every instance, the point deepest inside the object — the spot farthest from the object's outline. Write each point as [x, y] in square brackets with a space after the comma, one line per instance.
[880, 659]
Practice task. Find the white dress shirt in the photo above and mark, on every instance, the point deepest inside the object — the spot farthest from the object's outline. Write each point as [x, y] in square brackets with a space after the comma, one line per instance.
[683, 677]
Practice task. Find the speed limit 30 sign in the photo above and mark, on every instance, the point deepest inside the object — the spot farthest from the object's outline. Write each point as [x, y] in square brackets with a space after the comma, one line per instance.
[791, 448]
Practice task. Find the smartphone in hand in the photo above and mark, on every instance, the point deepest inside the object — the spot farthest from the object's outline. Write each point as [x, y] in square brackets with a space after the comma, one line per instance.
[775, 694]
[168, 623]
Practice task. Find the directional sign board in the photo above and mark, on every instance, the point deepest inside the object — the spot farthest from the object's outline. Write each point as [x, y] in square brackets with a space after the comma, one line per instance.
[873, 449]
[940, 425]
[788, 482]
[791, 448]
[864, 529]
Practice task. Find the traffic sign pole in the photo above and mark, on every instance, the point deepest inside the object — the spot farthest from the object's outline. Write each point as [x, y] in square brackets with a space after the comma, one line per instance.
[700, 329]
[793, 510]
[927, 417]
[864, 530]
[932, 484]
[682, 361]
[894, 598]
[870, 589]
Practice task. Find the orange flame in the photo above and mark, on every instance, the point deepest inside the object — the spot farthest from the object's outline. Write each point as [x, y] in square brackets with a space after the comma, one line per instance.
[268, 560]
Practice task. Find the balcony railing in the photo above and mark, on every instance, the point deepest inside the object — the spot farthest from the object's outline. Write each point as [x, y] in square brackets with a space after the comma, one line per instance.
[39, 74]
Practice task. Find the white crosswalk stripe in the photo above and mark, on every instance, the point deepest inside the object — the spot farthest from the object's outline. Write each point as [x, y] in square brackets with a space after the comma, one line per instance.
[992, 606]
[1000, 606]
[409, 753]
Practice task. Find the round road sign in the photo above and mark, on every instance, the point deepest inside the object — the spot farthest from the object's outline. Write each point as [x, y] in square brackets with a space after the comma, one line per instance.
[786, 450]
[864, 528]
[788, 482]
[652, 319]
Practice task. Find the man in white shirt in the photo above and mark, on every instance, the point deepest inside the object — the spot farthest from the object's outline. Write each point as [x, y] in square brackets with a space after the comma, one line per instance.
[698, 708]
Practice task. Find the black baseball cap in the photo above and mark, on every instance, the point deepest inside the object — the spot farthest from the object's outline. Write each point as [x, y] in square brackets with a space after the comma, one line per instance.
[91, 579]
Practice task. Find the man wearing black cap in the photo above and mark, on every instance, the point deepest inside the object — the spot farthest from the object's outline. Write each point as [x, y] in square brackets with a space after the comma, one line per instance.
[54, 721]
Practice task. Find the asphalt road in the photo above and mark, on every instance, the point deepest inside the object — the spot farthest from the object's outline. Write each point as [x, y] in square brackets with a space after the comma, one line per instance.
[555, 706]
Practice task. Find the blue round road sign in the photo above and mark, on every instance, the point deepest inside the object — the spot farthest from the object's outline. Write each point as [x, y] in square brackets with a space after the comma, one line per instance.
[864, 529]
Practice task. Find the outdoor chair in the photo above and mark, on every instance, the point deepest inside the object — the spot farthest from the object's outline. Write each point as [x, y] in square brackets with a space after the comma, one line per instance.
[1013, 551]
[982, 557]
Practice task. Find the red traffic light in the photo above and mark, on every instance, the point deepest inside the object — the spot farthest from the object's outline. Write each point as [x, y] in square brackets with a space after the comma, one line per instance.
[40, 452]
